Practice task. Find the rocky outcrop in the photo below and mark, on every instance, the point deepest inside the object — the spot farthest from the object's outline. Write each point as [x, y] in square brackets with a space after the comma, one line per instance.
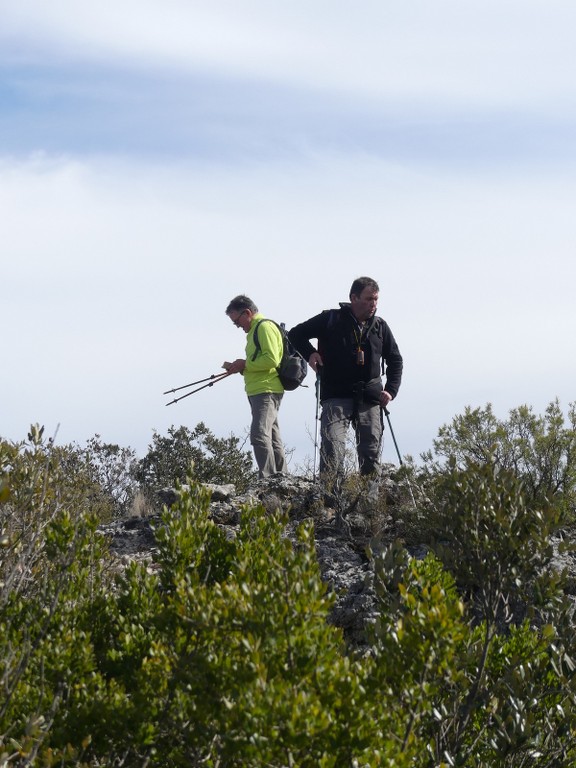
[341, 536]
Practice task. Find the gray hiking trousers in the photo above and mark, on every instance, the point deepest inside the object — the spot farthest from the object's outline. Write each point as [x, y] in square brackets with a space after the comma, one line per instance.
[335, 421]
[265, 434]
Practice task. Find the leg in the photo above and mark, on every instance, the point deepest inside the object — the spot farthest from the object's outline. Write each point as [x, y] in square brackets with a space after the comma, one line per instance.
[265, 434]
[369, 430]
[334, 423]
[277, 444]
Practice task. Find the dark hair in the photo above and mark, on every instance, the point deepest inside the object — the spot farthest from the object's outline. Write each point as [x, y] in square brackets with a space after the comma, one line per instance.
[240, 303]
[363, 282]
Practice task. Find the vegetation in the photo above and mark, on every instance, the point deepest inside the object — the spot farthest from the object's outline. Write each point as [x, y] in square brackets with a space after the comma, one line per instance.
[217, 460]
[220, 651]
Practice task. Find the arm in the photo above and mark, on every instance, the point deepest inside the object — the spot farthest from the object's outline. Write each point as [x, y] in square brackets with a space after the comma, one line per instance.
[300, 337]
[393, 362]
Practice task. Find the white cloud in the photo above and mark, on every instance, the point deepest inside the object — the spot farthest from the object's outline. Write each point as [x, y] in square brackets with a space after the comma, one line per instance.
[501, 55]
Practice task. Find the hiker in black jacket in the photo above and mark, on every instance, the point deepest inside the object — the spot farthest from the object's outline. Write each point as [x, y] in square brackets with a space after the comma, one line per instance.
[355, 347]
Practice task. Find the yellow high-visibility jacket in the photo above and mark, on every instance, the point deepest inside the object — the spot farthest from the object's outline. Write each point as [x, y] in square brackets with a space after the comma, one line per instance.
[260, 374]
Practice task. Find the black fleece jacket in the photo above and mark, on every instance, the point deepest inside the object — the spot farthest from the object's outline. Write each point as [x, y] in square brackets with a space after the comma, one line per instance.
[339, 337]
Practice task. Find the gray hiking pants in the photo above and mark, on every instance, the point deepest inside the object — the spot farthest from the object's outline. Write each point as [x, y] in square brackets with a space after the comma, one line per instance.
[265, 434]
[337, 417]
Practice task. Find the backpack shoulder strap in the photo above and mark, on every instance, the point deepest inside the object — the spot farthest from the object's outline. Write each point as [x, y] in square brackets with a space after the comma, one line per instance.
[333, 315]
[375, 324]
[255, 337]
[256, 340]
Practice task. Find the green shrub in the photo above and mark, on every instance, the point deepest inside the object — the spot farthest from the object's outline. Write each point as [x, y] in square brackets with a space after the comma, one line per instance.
[230, 652]
[219, 651]
[539, 450]
[216, 460]
[460, 693]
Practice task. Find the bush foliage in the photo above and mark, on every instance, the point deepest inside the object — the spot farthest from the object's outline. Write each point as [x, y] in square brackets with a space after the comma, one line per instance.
[220, 651]
[170, 458]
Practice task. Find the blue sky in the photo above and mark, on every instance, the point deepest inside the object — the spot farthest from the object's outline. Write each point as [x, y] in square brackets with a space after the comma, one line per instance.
[157, 158]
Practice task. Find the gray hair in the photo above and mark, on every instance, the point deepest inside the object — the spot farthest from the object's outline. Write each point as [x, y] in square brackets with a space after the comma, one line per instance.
[240, 303]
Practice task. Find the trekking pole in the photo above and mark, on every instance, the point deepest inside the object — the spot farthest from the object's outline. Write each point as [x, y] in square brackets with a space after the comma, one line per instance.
[387, 412]
[200, 381]
[316, 446]
[399, 457]
[214, 379]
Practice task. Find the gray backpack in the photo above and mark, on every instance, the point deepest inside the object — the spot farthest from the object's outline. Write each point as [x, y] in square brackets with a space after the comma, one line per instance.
[293, 368]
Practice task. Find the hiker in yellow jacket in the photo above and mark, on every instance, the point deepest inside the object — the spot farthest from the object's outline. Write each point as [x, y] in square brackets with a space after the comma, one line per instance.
[262, 384]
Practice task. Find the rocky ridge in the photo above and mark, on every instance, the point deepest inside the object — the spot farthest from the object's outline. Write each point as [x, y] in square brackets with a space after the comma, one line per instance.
[341, 537]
